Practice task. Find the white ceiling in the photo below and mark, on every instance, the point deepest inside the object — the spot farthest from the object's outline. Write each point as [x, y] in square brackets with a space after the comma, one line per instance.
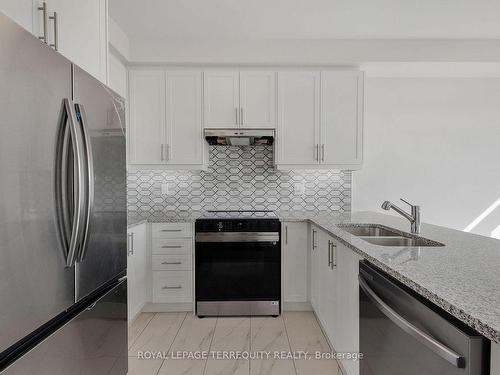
[297, 19]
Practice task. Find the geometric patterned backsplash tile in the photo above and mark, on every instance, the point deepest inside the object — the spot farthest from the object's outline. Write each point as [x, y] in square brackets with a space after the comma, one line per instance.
[240, 178]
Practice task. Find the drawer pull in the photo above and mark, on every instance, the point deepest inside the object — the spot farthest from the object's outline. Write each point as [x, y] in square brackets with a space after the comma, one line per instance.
[171, 230]
[171, 247]
[171, 262]
[172, 287]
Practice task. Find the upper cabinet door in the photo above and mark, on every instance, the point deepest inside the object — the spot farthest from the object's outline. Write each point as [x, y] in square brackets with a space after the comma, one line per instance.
[183, 118]
[221, 99]
[341, 117]
[147, 117]
[258, 99]
[298, 117]
[81, 33]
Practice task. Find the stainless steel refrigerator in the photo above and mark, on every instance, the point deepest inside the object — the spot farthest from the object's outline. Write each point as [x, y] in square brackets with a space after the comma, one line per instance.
[63, 306]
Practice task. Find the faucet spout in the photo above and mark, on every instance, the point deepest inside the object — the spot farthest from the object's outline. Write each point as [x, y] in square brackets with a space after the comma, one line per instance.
[413, 217]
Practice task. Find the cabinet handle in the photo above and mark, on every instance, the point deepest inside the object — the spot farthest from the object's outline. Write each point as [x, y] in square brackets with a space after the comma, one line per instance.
[55, 45]
[171, 230]
[317, 152]
[286, 234]
[330, 254]
[171, 262]
[43, 9]
[161, 152]
[131, 244]
[334, 255]
[236, 112]
[168, 152]
[241, 115]
[322, 152]
[172, 287]
[171, 247]
[313, 239]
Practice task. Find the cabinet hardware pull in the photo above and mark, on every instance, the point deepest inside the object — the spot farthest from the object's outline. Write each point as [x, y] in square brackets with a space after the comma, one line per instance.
[171, 230]
[172, 287]
[313, 239]
[317, 152]
[131, 244]
[171, 247]
[286, 234]
[168, 152]
[55, 45]
[43, 8]
[322, 152]
[236, 112]
[161, 152]
[171, 262]
[329, 254]
[241, 115]
[334, 255]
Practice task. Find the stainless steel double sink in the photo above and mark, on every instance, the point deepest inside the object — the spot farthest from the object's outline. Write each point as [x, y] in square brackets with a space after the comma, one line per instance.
[380, 235]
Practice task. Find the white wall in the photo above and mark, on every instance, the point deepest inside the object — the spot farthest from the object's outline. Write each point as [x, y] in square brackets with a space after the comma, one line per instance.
[436, 142]
[20, 11]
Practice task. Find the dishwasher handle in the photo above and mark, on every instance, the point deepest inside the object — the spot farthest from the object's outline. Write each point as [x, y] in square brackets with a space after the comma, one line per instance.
[430, 342]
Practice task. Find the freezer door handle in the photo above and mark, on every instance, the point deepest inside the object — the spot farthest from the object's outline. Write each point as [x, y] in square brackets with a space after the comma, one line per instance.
[69, 174]
[88, 183]
[430, 342]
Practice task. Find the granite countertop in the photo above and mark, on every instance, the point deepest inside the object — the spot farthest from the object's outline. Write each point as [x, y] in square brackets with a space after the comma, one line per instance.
[463, 277]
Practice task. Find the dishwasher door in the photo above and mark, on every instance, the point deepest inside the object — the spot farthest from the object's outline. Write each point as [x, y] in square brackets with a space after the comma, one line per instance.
[400, 333]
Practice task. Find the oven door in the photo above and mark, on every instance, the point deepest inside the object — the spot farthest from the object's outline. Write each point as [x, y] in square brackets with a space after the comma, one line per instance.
[231, 270]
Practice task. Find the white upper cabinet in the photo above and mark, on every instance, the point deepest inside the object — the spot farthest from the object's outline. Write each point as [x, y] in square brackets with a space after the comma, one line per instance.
[341, 117]
[298, 117]
[184, 131]
[258, 99]
[147, 117]
[320, 119]
[221, 99]
[165, 127]
[81, 33]
[245, 99]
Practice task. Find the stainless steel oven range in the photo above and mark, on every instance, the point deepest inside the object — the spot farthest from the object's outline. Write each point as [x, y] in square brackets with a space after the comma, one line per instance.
[238, 263]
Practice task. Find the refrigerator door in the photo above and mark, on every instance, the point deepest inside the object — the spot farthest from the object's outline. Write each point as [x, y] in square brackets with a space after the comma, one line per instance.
[102, 115]
[35, 285]
[94, 342]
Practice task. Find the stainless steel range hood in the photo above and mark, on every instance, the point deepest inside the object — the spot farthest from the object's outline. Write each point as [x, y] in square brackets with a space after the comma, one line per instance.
[239, 137]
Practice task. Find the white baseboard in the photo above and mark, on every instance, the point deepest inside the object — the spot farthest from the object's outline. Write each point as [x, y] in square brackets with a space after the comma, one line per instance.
[132, 318]
[168, 307]
[297, 306]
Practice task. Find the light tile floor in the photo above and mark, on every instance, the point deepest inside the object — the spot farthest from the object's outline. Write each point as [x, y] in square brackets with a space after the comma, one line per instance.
[173, 332]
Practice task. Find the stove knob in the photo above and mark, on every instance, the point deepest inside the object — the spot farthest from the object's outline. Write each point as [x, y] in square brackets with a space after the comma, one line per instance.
[220, 225]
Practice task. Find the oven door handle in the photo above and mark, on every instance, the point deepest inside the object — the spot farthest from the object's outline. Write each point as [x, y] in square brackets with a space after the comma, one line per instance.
[430, 342]
[273, 237]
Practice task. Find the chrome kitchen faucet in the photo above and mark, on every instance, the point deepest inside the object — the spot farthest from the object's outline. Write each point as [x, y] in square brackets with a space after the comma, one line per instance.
[414, 217]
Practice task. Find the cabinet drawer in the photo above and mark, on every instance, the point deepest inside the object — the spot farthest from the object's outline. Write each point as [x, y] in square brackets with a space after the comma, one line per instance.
[172, 246]
[171, 262]
[172, 286]
[172, 230]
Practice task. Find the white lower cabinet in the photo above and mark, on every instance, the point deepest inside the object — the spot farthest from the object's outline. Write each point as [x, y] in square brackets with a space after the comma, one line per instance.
[334, 293]
[137, 269]
[295, 247]
[172, 265]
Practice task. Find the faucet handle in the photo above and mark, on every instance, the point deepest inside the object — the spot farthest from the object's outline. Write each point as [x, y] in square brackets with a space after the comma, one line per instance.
[408, 203]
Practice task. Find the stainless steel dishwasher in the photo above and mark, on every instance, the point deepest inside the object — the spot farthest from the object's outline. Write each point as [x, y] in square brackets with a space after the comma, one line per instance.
[402, 333]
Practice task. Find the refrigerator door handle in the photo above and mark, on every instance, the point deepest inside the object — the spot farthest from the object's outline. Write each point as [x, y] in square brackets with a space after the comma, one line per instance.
[69, 192]
[88, 182]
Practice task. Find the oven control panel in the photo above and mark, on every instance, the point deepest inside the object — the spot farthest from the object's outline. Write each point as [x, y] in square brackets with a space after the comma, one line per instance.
[237, 225]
